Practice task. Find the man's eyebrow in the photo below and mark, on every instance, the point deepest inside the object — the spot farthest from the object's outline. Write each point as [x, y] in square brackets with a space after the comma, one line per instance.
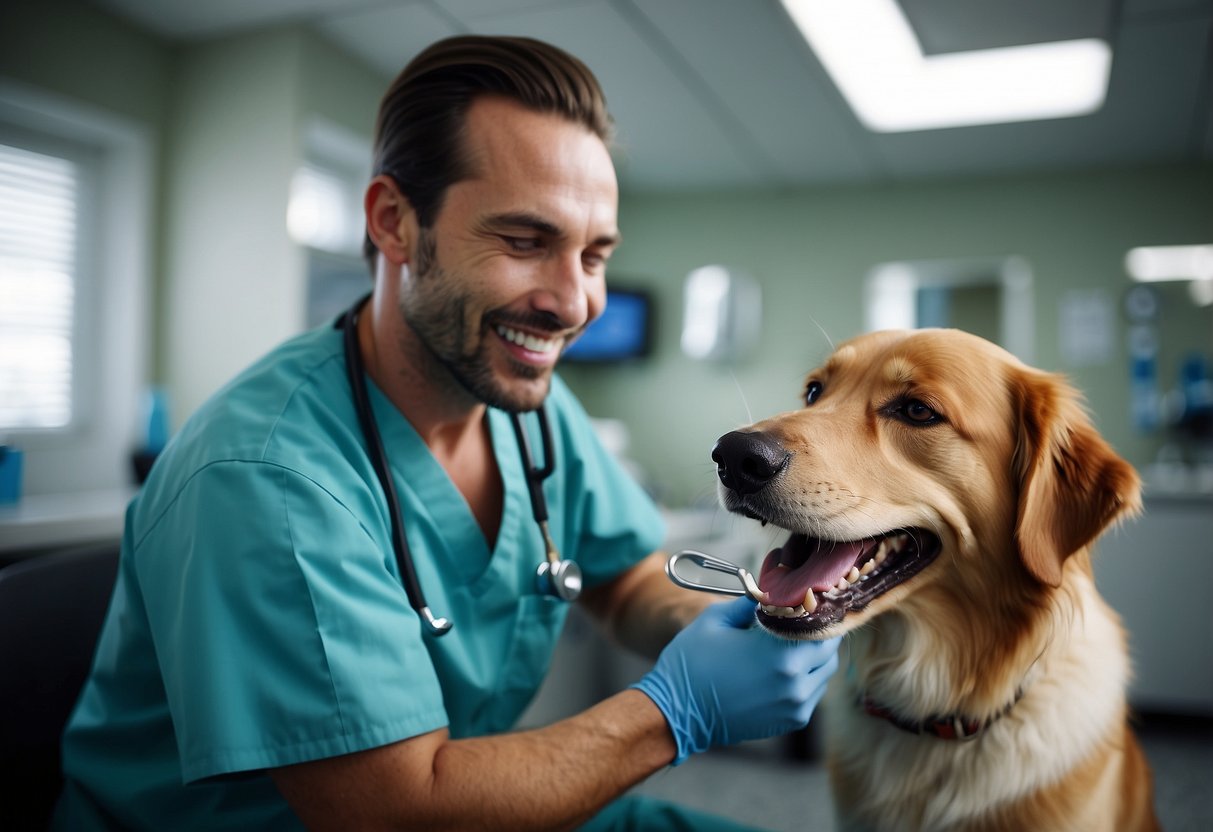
[523, 219]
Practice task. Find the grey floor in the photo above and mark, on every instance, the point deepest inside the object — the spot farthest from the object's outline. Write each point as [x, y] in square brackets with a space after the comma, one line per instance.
[762, 785]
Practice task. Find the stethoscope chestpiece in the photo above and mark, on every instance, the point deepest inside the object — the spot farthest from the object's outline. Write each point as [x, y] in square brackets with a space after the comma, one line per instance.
[436, 626]
[560, 578]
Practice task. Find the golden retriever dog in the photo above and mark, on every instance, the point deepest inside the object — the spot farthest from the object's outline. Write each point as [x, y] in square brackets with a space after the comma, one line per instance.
[942, 499]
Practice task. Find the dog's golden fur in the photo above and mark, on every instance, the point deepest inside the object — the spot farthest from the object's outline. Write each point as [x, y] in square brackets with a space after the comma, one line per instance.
[1015, 482]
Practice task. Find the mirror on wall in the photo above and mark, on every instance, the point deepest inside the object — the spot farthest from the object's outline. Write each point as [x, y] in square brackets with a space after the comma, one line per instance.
[988, 296]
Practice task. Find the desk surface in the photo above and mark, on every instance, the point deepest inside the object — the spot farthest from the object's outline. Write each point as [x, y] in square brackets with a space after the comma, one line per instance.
[43, 521]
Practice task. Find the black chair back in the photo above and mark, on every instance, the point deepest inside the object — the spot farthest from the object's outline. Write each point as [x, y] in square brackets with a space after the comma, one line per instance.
[51, 609]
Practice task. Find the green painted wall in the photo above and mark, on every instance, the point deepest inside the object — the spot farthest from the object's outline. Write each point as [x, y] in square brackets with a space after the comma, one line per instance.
[339, 87]
[811, 251]
[85, 54]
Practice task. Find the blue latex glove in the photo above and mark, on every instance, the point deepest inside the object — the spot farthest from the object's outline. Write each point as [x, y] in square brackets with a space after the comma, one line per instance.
[724, 679]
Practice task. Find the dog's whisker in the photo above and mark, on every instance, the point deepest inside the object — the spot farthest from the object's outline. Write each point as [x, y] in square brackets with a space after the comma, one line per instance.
[748, 415]
[825, 334]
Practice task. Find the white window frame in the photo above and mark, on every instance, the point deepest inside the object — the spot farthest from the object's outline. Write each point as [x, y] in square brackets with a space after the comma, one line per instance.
[87, 159]
[111, 321]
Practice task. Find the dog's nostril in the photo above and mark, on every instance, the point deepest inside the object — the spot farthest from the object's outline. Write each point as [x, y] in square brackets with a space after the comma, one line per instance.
[754, 467]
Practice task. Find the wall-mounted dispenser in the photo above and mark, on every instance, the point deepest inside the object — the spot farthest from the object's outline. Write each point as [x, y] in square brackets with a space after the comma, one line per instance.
[722, 314]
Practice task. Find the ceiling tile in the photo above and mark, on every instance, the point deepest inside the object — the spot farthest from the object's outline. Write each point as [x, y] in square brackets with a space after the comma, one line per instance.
[1132, 8]
[195, 20]
[962, 25]
[390, 37]
[760, 76]
[666, 137]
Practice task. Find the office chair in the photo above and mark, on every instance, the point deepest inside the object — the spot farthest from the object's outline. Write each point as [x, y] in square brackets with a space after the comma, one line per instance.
[51, 609]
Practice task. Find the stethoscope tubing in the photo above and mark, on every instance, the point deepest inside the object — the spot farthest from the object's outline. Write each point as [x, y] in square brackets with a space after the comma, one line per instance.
[561, 578]
[378, 457]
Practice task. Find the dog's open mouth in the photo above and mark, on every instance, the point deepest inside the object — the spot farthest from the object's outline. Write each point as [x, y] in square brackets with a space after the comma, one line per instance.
[811, 583]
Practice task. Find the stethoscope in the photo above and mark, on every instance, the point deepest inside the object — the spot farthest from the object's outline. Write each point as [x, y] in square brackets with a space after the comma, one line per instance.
[555, 576]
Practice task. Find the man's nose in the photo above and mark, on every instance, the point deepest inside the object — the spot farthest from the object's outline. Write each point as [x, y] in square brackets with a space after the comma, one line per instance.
[564, 290]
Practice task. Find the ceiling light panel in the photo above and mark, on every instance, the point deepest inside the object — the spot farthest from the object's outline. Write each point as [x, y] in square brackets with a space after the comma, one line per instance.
[875, 59]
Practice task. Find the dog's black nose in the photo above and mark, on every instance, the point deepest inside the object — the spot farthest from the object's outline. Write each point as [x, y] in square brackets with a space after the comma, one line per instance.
[746, 462]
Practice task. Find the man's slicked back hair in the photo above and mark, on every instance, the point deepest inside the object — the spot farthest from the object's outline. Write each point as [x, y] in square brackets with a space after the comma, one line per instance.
[419, 134]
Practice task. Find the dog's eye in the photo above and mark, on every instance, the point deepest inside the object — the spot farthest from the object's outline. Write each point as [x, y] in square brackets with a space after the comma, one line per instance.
[916, 412]
[812, 392]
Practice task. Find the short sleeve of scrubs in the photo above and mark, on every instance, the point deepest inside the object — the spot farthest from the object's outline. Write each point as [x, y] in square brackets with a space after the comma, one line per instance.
[282, 634]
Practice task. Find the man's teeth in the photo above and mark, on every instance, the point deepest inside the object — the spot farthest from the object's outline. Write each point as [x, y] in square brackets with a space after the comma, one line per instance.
[858, 574]
[526, 341]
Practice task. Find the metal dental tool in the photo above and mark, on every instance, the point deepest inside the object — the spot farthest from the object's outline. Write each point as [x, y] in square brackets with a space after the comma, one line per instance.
[749, 586]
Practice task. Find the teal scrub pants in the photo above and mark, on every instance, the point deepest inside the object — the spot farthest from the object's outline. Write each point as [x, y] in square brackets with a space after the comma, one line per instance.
[638, 813]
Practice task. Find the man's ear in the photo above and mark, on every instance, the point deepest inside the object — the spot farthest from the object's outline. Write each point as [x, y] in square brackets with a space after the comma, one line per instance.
[1072, 485]
[391, 222]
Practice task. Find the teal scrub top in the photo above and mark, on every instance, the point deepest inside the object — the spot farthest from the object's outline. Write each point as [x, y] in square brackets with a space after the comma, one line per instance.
[259, 619]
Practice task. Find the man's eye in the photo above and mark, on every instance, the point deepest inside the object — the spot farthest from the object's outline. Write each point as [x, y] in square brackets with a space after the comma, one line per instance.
[523, 244]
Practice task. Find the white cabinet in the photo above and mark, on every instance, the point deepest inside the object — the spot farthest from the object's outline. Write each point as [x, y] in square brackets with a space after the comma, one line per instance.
[1157, 571]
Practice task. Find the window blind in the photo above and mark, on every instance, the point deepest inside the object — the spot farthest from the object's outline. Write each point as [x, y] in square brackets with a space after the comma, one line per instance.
[38, 238]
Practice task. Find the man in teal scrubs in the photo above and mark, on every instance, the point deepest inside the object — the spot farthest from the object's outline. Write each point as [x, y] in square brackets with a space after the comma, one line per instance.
[261, 667]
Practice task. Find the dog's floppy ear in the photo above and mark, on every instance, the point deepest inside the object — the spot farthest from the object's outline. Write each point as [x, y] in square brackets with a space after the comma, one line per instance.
[1072, 485]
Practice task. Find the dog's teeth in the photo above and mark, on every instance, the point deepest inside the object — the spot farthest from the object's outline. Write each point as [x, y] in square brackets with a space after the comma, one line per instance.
[882, 552]
[853, 575]
[842, 585]
[868, 567]
[769, 609]
[810, 601]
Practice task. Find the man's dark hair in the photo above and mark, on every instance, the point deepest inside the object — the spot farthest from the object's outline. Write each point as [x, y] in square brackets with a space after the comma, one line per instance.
[419, 138]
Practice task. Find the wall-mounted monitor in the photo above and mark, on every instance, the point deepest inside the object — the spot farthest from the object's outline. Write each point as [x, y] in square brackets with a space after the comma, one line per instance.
[623, 332]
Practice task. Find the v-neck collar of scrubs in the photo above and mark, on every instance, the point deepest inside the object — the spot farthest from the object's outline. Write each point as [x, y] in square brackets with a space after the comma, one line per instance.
[425, 485]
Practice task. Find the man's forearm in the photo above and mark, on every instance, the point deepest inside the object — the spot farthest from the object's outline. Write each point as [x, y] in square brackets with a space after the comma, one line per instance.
[555, 777]
[559, 776]
[643, 610]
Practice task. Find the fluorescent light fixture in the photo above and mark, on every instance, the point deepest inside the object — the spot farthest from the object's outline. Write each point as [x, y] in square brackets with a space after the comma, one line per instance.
[1151, 264]
[871, 52]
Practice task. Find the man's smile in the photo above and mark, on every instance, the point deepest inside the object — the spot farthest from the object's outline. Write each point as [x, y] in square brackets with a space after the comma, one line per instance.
[529, 348]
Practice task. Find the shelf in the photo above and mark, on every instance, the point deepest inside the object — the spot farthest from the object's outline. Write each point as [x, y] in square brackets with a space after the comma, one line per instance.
[44, 521]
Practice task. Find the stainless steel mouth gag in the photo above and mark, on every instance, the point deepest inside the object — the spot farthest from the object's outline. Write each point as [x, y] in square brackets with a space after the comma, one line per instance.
[749, 586]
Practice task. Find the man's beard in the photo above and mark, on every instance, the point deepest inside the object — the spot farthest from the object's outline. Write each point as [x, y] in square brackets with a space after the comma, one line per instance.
[438, 313]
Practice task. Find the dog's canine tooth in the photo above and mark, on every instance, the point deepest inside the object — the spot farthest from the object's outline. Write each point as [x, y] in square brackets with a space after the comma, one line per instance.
[843, 585]
[810, 602]
[853, 575]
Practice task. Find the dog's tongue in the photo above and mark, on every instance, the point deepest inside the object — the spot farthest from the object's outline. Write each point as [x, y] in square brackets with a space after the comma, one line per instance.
[806, 562]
